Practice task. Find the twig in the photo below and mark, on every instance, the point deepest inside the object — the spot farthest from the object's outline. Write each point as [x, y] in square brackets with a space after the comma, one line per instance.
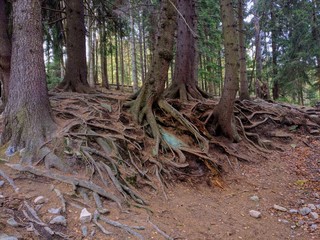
[166, 236]
[123, 226]
[62, 200]
[10, 181]
[95, 221]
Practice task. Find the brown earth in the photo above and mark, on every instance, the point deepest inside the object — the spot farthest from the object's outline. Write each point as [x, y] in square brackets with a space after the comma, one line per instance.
[195, 210]
[189, 208]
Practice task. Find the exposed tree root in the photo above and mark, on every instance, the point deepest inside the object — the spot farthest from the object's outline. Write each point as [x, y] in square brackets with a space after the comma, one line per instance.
[185, 92]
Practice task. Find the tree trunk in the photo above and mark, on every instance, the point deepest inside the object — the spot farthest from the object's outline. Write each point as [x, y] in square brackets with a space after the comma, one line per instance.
[121, 61]
[244, 88]
[184, 85]
[76, 67]
[117, 60]
[27, 116]
[5, 55]
[274, 36]
[103, 55]
[223, 118]
[141, 47]
[91, 42]
[133, 51]
[151, 91]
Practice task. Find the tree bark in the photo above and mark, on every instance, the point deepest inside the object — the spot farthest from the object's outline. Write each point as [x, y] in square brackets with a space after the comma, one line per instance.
[157, 75]
[76, 67]
[244, 87]
[274, 36]
[222, 119]
[103, 55]
[27, 117]
[5, 54]
[184, 85]
[133, 51]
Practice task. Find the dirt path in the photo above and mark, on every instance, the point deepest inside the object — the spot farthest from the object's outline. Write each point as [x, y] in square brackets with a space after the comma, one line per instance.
[290, 179]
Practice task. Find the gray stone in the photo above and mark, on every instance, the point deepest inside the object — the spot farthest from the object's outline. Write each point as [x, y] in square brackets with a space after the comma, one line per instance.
[84, 230]
[254, 198]
[293, 211]
[311, 206]
[318, 206]
[300, 223]
[283, 221]
[304, 211]
[1, 196]
[255, 214]
[300, 201]
[1, 183]
[55, 210]
[6, 237]
[313, 227]
[279, 208]
[59, 220]
[39, 200]
[13, 222]
[314, 215]
[85, 216]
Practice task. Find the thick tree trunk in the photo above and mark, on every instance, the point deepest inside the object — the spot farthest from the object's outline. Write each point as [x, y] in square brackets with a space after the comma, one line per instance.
[117, 61]
[223, 118]
[157, 75]
[28, 120]
[76, 67]
[133, 51]
[184, 85]
[141, 47]
[5, 54]
[91, 47]
[244, 87]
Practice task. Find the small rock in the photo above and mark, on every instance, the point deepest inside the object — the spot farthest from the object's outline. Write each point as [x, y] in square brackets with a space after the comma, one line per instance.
[293, 211]
[1, 183]
[300, 201]
[255, 214]
[304, 211]
[318, 206]
[300, 223]
[85, 216]
[55, 210]
[84, 230]
[283, 221]
[6, 237]
[254, 198]
[10, 151]
[314, 215]
[316, 195]
[39, 200]
[279, 208]
[313, 227]
[59, 220]
[12, 222]
[1, 196]
[312, 206]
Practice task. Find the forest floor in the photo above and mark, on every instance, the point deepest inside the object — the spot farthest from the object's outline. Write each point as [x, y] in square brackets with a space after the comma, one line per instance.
[191, 208]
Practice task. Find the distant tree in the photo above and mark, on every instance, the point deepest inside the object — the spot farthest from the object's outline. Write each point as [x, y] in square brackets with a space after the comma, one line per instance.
[5, 53]
[27, 117]
[184, 84]
[76, 67]
[222, 119]
[244, 87]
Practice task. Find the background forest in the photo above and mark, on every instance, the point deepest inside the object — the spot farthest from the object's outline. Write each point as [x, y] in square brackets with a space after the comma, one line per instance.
[281, 39]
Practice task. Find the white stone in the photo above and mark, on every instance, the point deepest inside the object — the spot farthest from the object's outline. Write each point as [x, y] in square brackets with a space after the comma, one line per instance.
[254, 198]
[279, 208]
[55, 210]
[255, 214]
[312, 206]
[39, 200]
[85, 216]
[314, 215]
